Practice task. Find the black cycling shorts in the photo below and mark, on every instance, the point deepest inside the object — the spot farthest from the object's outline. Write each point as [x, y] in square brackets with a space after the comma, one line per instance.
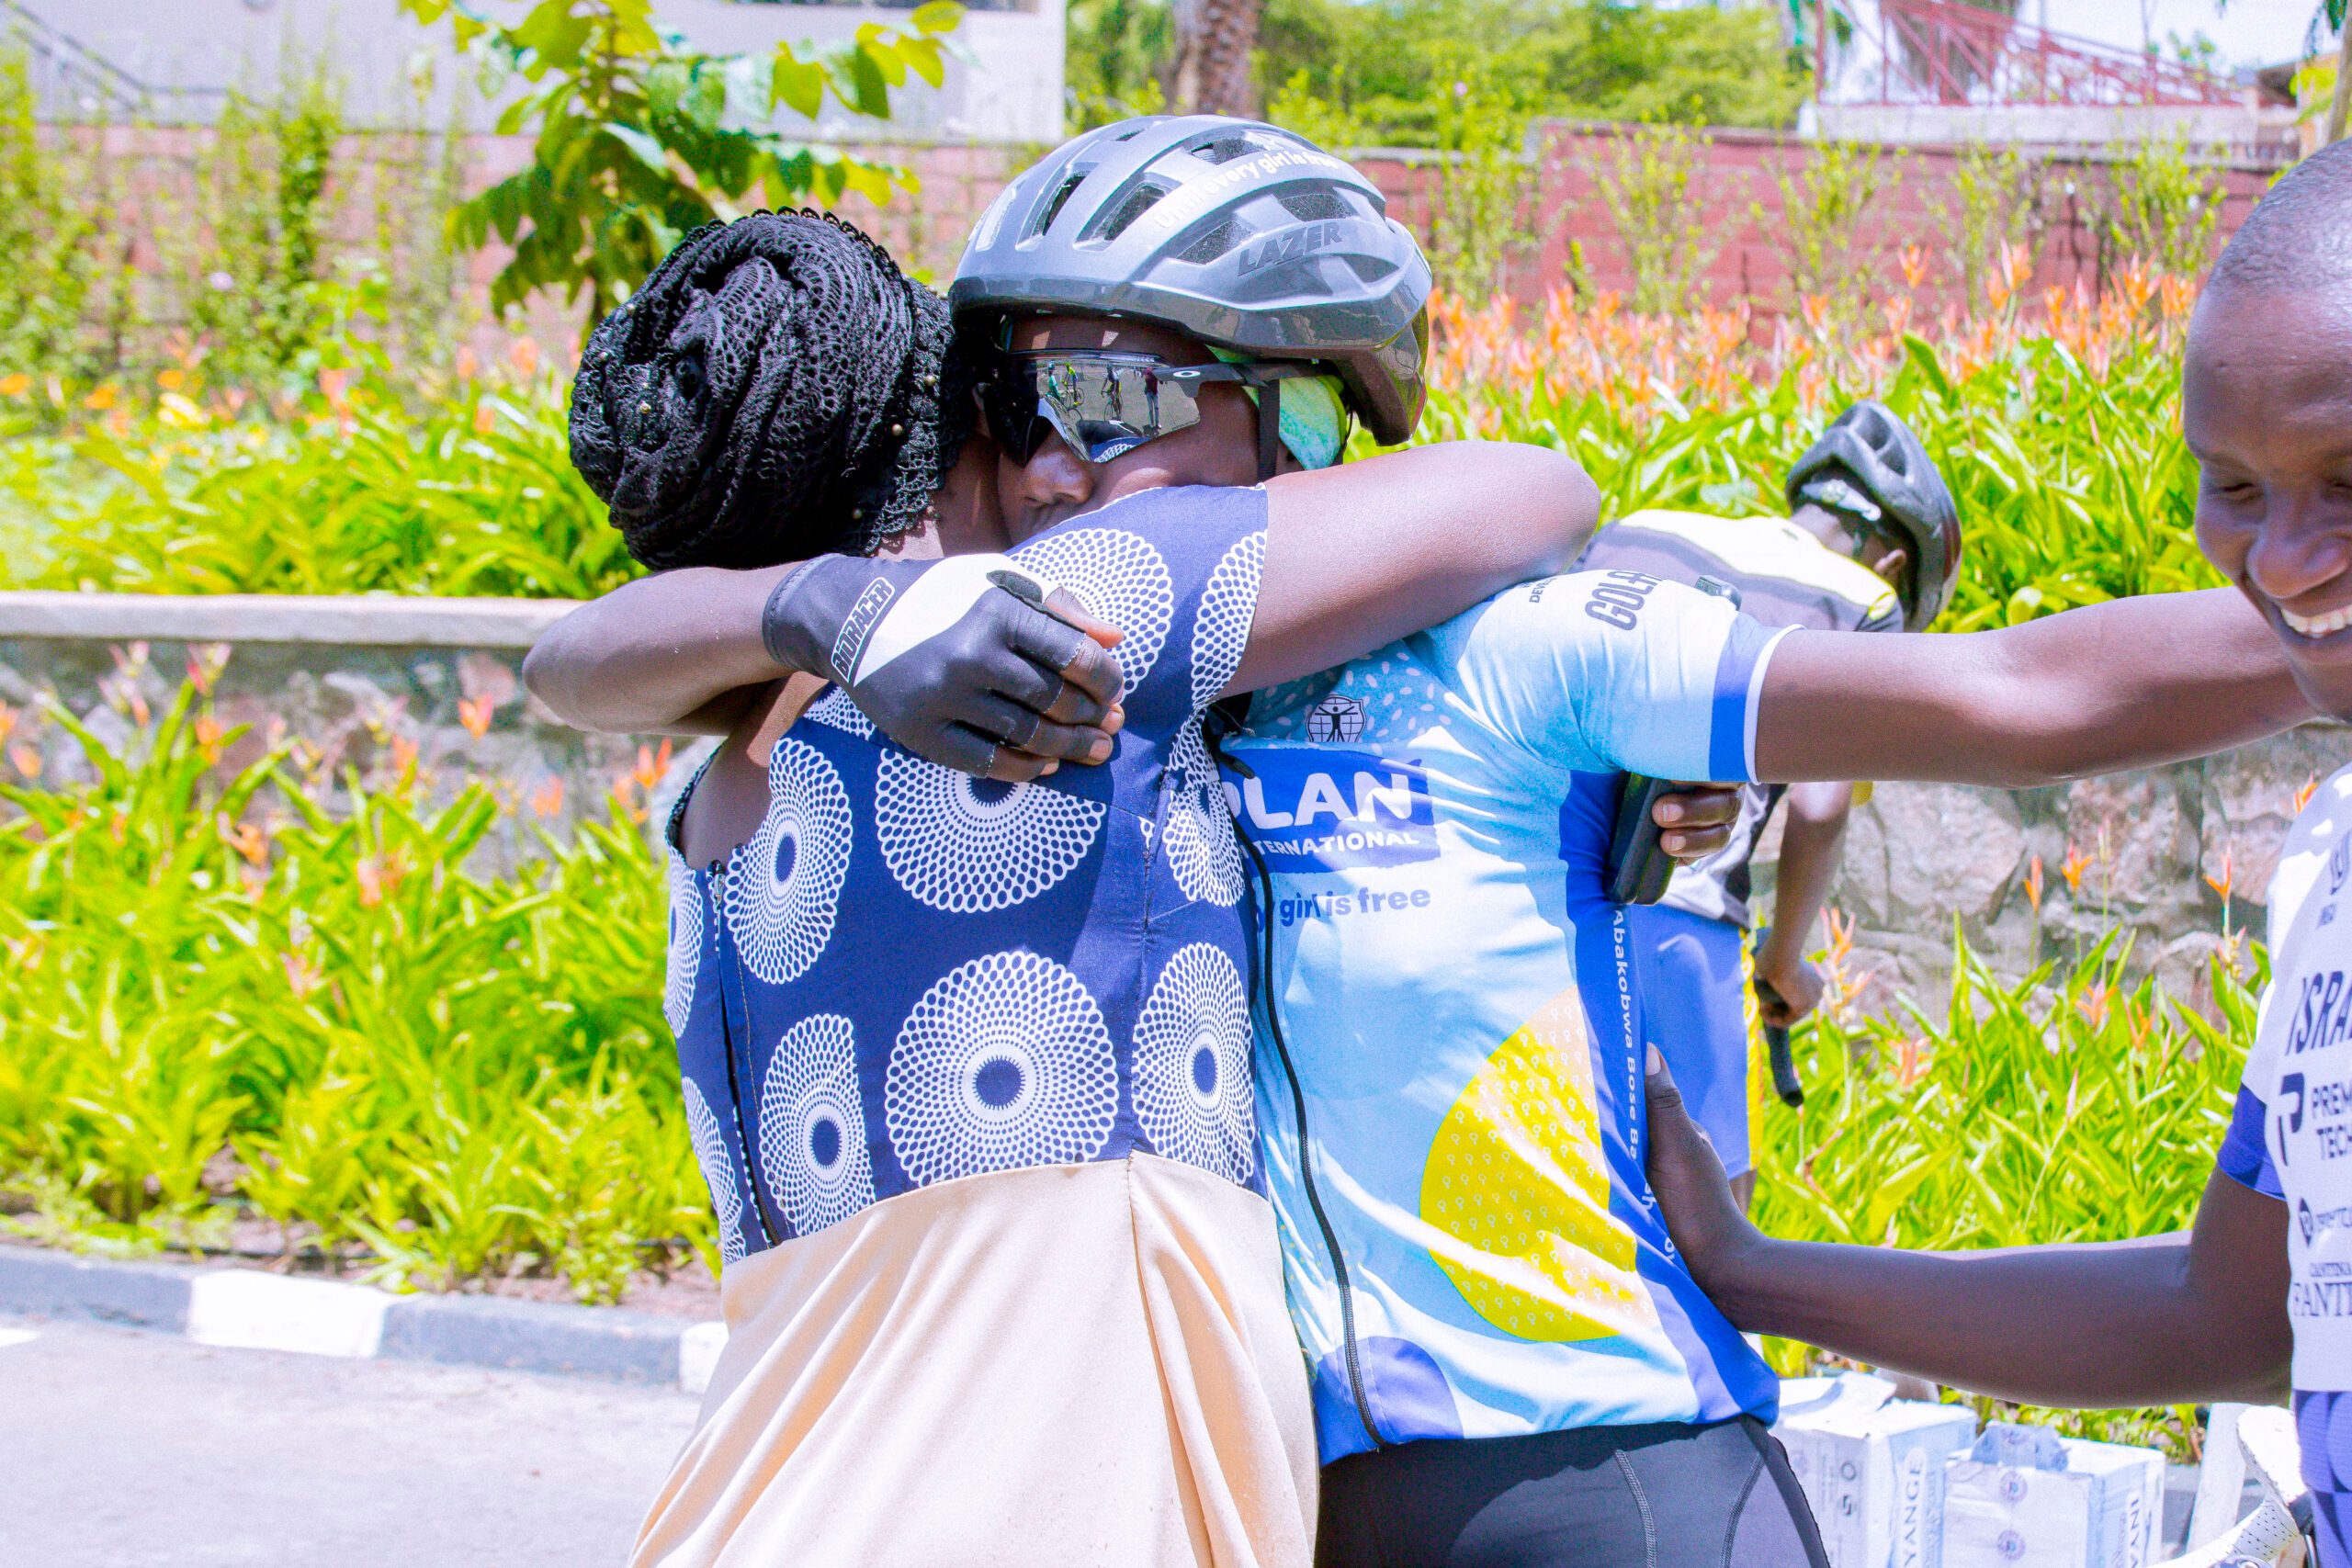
[1666, 1495]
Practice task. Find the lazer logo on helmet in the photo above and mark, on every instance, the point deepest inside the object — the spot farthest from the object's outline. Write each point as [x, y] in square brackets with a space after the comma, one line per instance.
[1291, 244]
[1325, 810]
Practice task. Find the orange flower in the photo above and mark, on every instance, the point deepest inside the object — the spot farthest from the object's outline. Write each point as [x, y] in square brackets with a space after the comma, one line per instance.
[171, 379]
[547, 799]
[2033, 884]
[2092, 1004]
[27, 758]
[2072, 868]
[248, 841]
[103, 399]
[2222, 884]
[7, 721]
[1914, 262]
[468, 363]
[651, 765]
[474, 713]
[2303, 795]
[15, 386]
[300, 976]
[523, 354]
[485, 417]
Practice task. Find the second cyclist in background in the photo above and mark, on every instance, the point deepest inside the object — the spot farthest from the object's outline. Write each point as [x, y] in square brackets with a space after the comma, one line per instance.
[1871, 543]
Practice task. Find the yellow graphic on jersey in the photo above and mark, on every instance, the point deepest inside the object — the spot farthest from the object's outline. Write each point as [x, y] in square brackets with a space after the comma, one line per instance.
[1517, 1182]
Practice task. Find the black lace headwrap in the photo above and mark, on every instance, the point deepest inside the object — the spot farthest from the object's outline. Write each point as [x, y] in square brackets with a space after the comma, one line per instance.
[776, 389]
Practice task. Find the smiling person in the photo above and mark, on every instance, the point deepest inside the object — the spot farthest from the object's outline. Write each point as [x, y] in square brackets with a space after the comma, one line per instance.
[967, 1060]
[2248, 1304]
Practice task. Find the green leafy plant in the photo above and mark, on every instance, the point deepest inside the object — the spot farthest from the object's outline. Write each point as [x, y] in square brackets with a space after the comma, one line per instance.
[638, 139]
[1646, 186]
[2160, 207]
[358, 486]
[1824, 200]
[1484, 192]
[59, 288]
[1992, 198]
[2072, 1104]
[222, 1005]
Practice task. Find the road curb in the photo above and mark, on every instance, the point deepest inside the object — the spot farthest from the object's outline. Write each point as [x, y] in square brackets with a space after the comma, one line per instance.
[246, 1309]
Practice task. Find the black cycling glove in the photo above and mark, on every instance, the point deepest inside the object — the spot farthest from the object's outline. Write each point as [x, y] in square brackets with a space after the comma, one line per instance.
[954, 659]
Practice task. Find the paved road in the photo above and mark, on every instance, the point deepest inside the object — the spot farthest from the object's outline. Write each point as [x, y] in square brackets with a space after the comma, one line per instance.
[122, 1449]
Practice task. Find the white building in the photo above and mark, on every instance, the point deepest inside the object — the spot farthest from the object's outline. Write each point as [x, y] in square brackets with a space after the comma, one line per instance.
[176, 62]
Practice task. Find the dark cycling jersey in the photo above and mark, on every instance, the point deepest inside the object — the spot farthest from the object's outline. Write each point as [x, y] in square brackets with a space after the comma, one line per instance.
[909, 975]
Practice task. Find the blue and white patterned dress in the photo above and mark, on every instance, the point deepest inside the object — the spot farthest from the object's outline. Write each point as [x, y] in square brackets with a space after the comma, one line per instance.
[908, 975]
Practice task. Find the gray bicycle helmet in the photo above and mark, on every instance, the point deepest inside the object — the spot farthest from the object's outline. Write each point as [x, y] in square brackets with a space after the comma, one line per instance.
[1870, 464]
[1249, 237]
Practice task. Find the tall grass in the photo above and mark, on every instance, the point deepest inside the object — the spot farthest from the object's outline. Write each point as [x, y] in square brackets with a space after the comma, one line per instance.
[220, 1004]
[2074, 1104]
[373, 479]
[2054, 419]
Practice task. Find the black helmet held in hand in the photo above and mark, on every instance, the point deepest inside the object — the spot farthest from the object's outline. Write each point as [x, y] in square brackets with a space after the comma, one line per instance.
[1248, 237]
[1870, 466]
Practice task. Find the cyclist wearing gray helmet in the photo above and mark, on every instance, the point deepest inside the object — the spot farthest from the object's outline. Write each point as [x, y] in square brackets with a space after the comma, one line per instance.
[967, 1064]
[1154, 262]
[1871, 543]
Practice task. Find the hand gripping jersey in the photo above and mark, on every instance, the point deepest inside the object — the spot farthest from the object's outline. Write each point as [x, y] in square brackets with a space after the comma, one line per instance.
[2291, 1131]
[1471, 1246]
[909, 975]
[1785, 578]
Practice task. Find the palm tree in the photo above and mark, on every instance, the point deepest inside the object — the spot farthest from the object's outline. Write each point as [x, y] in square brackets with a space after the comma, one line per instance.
[1209, 73]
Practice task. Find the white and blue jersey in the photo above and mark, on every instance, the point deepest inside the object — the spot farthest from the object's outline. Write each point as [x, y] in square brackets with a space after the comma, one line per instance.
[2290, 1137]
[908, 975]
[1471, 1247]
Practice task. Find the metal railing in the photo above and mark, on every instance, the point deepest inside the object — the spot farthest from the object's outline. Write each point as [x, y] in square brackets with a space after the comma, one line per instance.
[1934, 52]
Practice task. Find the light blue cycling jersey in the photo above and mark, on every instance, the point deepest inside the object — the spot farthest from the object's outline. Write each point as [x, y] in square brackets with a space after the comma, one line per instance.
[1470, 1243]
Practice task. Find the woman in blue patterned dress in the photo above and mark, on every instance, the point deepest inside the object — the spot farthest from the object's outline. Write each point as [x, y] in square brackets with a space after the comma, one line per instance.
[967, 1060]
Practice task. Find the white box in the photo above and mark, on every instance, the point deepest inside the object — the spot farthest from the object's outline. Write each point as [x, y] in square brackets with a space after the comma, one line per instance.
[2025, 1498]
[1872, 1468]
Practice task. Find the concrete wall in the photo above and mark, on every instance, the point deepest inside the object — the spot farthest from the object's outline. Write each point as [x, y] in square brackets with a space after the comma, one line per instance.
[357, 685]
[362, 683]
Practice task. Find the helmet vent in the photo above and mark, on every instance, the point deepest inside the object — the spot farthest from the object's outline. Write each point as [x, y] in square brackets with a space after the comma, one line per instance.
[1215, 243]
[1140, 200]
[1308, 206]
[1371, 269]
[1225, 149]
[1053, 208]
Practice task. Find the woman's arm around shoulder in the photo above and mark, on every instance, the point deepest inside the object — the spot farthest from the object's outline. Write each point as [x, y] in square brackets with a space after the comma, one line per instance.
[1363, 554]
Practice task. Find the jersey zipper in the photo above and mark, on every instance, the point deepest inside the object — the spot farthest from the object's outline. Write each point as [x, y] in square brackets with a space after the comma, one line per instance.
[1298, 1107]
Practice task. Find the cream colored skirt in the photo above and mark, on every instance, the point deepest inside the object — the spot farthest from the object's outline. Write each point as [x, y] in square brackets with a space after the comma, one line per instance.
[1069, 1366]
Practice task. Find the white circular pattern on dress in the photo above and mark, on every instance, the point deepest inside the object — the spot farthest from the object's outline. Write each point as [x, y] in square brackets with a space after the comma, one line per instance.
[970, 845]
[785, 885]
[1005, 1063]
[835, 710]
[717, 1172]
[1120, 579]
[1202, 853]
[685, 943]
[1191, 1066]
[812, 1125]
[1221, 626]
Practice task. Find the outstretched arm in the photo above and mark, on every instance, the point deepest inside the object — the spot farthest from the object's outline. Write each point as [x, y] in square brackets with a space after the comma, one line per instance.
[2174, 1319]
[1360, 555]
[2129, 683]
